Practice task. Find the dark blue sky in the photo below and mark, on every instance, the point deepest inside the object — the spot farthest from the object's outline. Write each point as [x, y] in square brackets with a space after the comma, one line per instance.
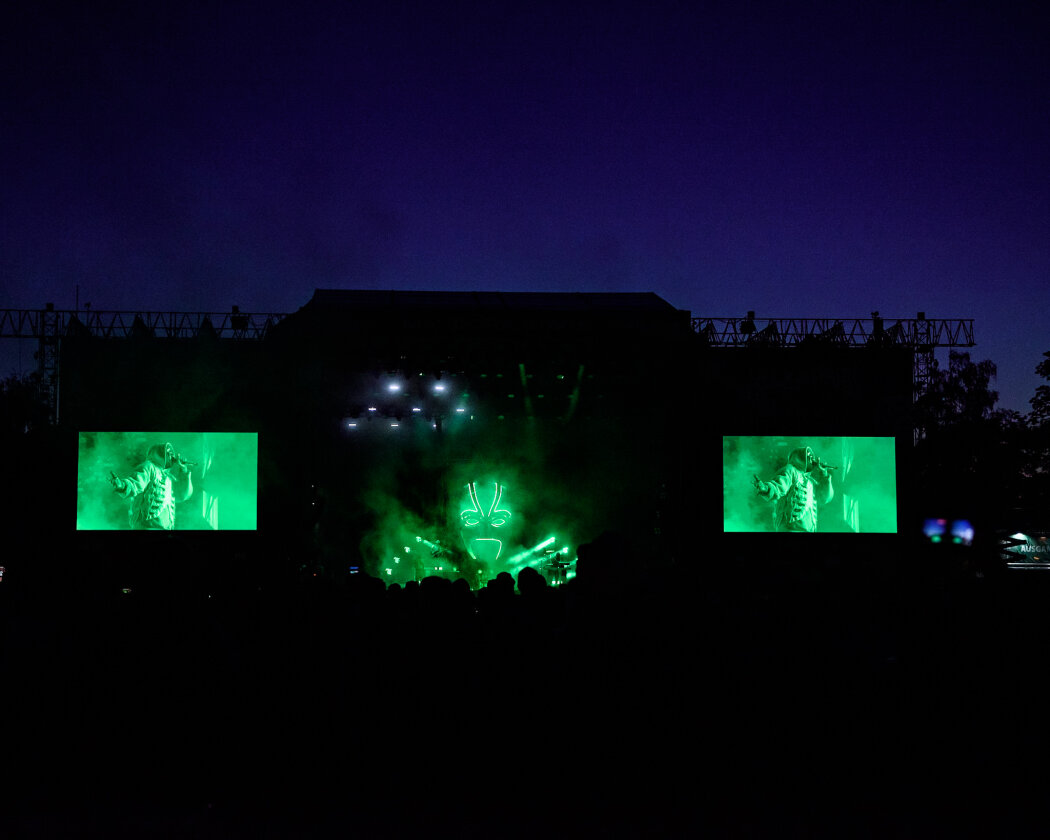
[816, 159]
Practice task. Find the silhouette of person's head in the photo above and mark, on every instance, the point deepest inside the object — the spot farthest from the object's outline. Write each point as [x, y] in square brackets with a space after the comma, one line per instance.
[530, 581]
[504, 583]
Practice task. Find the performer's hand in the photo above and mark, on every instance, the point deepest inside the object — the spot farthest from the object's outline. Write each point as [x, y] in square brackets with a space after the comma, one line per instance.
[759, 484]
[118, 483]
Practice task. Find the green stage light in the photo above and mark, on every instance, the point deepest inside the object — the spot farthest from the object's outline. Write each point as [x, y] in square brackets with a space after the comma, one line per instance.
[525, 557]
[431, 545]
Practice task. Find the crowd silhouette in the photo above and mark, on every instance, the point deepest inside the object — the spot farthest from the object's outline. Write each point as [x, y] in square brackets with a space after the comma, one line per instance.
[800, 696]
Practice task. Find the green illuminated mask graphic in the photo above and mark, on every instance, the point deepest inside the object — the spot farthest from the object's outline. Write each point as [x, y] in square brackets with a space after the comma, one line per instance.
[480, 522]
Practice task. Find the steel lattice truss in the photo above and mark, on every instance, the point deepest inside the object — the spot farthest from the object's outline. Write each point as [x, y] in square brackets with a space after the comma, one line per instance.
[49, 326]
[57, 323]
[920, 334]
[917, 333]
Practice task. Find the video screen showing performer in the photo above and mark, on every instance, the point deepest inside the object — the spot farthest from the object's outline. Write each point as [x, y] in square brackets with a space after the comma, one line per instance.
[809, 485]
[166, 481]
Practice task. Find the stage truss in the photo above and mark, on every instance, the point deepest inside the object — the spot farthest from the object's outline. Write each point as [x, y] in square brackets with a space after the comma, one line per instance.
[921, 335]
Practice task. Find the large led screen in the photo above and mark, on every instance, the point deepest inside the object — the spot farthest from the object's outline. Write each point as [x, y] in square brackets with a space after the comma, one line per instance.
[167, 481]
[809, 484]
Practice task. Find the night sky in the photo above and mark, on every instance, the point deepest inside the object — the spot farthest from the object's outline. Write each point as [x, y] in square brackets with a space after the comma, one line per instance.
[798, 159]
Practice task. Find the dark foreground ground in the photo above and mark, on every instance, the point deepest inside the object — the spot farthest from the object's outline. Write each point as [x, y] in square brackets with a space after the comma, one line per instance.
[625, 704]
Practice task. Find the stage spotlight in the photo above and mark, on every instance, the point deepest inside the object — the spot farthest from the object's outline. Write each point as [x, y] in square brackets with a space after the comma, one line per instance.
[439, 388]
[748, 325]
[393, 387]
[372, 408]
[416, 410]
[460, 410]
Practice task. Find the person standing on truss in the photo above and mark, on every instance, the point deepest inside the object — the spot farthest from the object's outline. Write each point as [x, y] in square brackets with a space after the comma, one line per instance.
[802, 484]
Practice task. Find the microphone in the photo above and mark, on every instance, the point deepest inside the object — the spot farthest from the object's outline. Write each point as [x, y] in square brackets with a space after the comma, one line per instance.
[820, 463]
[184, 462]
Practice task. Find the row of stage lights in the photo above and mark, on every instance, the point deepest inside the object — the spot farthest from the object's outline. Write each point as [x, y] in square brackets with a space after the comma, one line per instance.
[527, 557]
[394, 389]
[352, 424]
[399, 398]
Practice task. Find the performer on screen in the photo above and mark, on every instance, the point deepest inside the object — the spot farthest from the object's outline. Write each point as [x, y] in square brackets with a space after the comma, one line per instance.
[798, 488]
[158, 483]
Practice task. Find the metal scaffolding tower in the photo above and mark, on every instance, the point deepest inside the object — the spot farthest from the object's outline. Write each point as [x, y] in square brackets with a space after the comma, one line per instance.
[49, 326]
[920, 334]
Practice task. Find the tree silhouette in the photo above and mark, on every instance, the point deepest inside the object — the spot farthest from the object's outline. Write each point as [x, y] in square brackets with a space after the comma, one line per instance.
[23, 404]
[1039, 439]
[1040, 414]
[974, 458]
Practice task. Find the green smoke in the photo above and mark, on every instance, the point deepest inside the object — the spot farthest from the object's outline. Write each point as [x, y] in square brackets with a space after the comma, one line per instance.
[551, 485]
